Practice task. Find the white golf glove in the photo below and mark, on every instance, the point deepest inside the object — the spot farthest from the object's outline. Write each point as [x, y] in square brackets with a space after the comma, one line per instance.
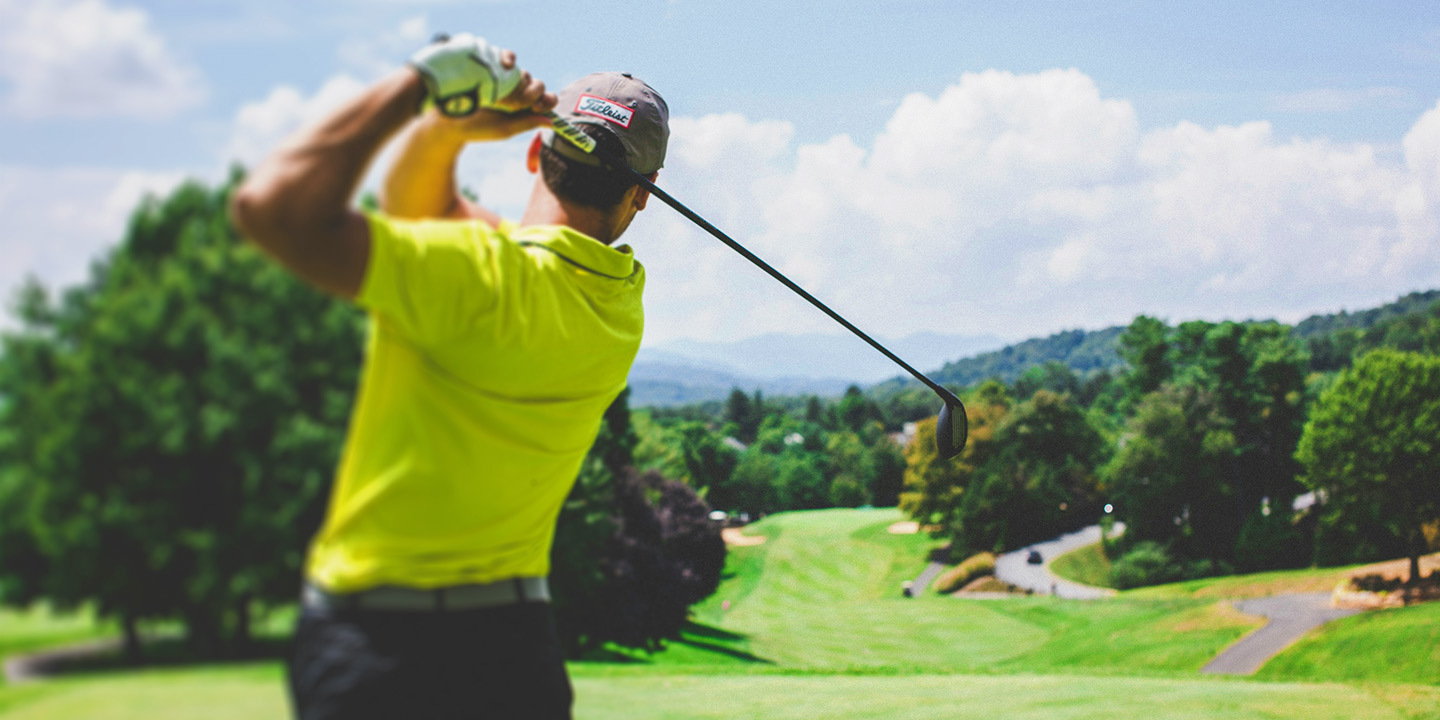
[463, 74]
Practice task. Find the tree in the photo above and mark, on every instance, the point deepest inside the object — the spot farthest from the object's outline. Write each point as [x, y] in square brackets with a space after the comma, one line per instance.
[889, 479]
[175, 423]
[632, 551]
[851, 469]
[1372, 446]
[1169, 480]
[934, 488]
[1057, 377]
[855, 411]
[1145, 346]
[746, 415]
[1040, 481]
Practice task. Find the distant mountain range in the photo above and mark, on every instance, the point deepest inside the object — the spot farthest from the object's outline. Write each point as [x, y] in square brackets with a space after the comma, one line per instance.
[685, 371]
[689, 371]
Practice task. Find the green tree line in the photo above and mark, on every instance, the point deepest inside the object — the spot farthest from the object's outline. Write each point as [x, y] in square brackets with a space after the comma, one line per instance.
[170, 427]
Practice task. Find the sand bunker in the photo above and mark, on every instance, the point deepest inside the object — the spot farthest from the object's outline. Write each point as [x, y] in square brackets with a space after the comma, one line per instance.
[904, 527]
[733, 536]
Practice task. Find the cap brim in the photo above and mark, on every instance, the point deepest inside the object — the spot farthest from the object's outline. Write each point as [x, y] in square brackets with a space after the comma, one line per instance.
[568, 150]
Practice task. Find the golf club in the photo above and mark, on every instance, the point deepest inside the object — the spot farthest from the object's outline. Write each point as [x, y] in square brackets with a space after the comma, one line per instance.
[952, 427]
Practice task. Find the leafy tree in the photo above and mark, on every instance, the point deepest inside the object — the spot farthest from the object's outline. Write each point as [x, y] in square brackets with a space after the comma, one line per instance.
[632, 551]
[745, 415]
[889, 479]
[752, 486]
[1057, 377]
[1040, 481]
[801, 483]
[1168, 481]
[855, 411]
[851, 469]
[935, 488]
[1372, 446]
[175, 423]
[687, 450]
[1145, 346]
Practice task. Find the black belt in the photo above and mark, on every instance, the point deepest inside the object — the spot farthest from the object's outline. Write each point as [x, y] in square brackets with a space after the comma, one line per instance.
[458, 597]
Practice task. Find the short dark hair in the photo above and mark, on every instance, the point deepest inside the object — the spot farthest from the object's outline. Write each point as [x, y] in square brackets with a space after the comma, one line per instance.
[589, 185]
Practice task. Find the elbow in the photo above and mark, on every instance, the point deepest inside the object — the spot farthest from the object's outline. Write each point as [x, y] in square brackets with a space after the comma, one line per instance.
[251, 212]
[259, 217]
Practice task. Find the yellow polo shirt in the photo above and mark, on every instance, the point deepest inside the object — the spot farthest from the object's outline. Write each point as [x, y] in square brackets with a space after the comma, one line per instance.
[492, 354]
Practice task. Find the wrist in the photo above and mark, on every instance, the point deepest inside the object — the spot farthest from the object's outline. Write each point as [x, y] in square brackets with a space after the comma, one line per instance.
[439, 132]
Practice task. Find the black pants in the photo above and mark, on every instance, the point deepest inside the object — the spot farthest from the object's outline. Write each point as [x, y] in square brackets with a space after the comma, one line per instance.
[503, 663]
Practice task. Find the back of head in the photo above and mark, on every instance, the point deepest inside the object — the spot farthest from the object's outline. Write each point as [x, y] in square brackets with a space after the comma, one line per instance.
[627, 119]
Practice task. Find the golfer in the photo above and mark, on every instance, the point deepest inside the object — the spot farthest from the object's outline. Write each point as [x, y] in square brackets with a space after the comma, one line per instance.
[494, 348]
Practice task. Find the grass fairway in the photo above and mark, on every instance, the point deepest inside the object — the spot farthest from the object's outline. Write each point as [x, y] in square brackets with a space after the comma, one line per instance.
[25, 630]
[1087, 565]
[823, 594]
[815, 627]
[1015, 697]
[256, 692]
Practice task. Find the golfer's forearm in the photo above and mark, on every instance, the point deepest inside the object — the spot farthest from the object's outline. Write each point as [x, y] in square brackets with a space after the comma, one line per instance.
[421, 183]
[299, 197]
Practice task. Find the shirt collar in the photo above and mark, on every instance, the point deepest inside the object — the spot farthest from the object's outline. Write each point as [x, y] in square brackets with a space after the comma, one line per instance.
[579, 249]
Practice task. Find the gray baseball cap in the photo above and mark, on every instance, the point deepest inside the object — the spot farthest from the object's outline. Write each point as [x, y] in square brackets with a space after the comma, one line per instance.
[624, 105]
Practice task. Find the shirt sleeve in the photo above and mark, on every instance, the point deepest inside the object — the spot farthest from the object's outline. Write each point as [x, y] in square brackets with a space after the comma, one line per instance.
[430, 279]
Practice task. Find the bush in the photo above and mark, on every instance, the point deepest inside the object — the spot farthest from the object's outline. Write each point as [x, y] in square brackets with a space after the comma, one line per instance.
[960, 575]
[1148, 563]
[1271, 542]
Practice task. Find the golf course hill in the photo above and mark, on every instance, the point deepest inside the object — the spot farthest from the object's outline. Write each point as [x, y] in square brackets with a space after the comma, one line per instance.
[809, 622]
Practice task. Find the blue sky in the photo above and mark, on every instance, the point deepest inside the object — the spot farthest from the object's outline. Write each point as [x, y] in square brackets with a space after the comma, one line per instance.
[1005, 168]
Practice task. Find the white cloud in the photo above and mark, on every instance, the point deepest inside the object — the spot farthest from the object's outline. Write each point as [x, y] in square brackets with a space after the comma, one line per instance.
[1024, 204]
[86, 58]
[260, 126]
[59, 220]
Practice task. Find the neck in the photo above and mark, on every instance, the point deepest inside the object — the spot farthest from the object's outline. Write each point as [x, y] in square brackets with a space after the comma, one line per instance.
[546, 209]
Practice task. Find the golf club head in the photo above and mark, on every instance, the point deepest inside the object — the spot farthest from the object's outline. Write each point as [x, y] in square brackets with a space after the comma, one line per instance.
[951, 430]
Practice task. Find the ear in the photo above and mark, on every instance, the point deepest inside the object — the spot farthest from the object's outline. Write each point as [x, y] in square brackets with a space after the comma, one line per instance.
[532, 156]
[642, 195]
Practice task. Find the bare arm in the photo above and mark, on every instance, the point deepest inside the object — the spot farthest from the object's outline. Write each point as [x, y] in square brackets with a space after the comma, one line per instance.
[296, 204]
[421, 183]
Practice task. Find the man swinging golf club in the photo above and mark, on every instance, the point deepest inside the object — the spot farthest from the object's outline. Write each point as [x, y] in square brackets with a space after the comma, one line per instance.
[494, 349]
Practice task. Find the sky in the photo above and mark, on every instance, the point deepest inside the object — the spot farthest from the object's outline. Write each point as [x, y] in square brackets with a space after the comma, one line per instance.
[1003, 168]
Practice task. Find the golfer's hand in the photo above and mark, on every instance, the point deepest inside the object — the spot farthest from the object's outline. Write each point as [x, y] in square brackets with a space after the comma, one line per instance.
[525, 108]
[465, 74]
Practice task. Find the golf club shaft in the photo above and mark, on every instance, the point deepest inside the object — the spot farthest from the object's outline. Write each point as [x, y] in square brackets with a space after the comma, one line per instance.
[578, 138]
[753, 258]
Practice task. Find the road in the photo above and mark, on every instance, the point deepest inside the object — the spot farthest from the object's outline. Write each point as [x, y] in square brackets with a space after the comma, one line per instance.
[1290, 617]
[1013, 568]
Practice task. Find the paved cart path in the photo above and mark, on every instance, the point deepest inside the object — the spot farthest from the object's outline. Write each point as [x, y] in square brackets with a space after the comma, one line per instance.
[1290, 617]
[1013, 568]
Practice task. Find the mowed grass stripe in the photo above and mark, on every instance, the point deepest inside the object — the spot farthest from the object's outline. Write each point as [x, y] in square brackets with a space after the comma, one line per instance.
[249, 692]
[827, 598]
[1019, 697]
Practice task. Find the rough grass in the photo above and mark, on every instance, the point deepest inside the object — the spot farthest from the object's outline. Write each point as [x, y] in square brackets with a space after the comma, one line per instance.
[816, 627]
[1397, 645]
[24, 631]
[1087, 565]
[1279, 582]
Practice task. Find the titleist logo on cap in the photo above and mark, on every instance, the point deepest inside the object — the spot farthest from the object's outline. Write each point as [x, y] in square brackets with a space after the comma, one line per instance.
[602, 108]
